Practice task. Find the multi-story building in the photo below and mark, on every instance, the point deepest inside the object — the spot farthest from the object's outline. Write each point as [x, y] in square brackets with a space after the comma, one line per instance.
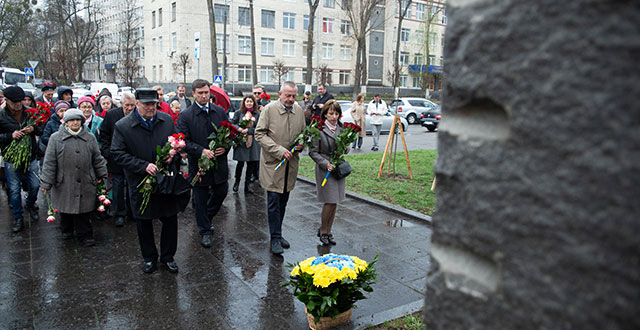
[118, 21]
[281, 29]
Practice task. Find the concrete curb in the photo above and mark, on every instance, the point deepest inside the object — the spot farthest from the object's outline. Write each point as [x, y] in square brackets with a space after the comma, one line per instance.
[379, 203]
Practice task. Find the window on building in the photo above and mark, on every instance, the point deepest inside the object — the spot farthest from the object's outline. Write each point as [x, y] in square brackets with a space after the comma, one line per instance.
[418, 59]
[160, 45]
[416, 82]
[266, 75]
[444, 16]
[304, 75]
[441, 60]
[345, 52]
[404, 80]
[289, 48]
[268, 47]
[154, 45]
[289, 21]
[327, 25]
[419, 37]
[327, 51]
[344, 4]
[404, 58]
[142, 52]
[433, 38]
[244, 73]
[330, 3]
[244, 45]
[220, 43]
[304, 50]
[154, 74]
[432, 60]
[174, 41]
[220, 11]
[142, 32]
[344, 77]
[268, 19]
[173, 11]
[420, 11]
[160, 73]
[442, 40]
[160, 17]
[405, 34]
[305, 23]
[153, 19]
[244, 16]
[345, 28]
[403, 5]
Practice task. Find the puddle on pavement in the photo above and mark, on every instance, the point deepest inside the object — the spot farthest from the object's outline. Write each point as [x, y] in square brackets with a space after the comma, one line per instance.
[398, 223]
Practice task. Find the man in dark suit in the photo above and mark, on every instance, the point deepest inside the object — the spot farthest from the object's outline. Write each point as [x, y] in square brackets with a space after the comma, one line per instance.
[133, 147]
[47, 94]
[119, 205]
[211, 190]
[320, 99]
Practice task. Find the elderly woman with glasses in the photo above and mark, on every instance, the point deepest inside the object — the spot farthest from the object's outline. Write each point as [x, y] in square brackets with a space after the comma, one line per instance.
[92, 121]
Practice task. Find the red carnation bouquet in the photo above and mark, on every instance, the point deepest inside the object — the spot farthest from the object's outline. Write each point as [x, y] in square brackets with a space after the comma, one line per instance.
[265, 97]
[164, 155]
[347, 135]
[224, 136]
[18, 152]
[309, 133]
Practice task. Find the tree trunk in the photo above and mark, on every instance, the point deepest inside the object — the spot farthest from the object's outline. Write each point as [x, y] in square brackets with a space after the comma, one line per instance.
[313, 5]
[358, 74]
[214, 47]
[254, 69]
[396, 60]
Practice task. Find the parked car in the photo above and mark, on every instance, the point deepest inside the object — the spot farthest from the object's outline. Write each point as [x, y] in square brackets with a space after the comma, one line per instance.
[430, 119]
[96, 88]
[386, 121]
[410, 108]
[78, 93]
[38, 82]
[27, 87]
[118, 96]
[78, 85]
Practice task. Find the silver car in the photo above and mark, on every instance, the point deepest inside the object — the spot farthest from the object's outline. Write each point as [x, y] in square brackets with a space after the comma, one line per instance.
[411, 108]
[386, 121]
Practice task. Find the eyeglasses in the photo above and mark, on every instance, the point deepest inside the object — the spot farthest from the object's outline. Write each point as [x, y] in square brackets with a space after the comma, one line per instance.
[256, 93]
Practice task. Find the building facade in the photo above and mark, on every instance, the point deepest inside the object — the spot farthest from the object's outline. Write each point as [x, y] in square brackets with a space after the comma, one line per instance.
[281, 37]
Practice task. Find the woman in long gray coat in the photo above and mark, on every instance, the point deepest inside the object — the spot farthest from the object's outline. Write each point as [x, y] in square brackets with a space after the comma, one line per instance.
[72, 168]
[321, 152]
[249, 151]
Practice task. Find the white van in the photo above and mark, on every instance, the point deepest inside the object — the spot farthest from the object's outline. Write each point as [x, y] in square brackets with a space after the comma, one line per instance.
[97, 87]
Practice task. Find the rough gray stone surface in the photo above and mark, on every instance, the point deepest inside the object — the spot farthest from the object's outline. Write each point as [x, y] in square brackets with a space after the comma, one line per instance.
[538, 195]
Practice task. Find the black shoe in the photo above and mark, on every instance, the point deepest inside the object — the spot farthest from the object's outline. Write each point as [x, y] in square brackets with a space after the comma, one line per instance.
[276, 247]
[236, 185]
[331, 240]
[247, 190]
[18, 225]
[119, 221]
[171, 266]
[149, 267]
[33, 212]
[324, 239]
[284, 243]
[66, 236]
[206, 241]
[88, 242]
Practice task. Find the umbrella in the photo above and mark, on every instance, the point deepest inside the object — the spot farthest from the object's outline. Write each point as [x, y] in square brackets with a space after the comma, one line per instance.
[221, 97]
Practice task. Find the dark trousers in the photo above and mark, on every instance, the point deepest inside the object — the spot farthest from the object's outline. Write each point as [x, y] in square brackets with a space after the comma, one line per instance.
[118, 188]
[168, 239]
[358, 142]
[276, 205]
[207, 202]
[80, 222]
[251, 171]
[255, 165]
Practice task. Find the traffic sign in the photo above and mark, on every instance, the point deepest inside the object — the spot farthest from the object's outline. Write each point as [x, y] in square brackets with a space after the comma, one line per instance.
[217, 79]
[197, 52]
[28, 71]
[33, 64]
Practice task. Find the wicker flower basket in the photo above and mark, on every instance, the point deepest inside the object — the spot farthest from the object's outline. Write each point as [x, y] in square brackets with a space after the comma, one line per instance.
[328, 322]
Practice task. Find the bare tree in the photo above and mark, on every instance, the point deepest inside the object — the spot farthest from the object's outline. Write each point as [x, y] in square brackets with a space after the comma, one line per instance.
[279, 70]
[254, 69]
[395, 75]
[323, 74]
[359, 14]
[181, 66]
[15, 16]
[431, 15]
[313, 5]
[129, 48]
[214, 47]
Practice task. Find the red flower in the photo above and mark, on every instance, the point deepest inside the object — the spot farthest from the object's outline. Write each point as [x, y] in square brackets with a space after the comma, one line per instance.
[226, 123]
[265, 96]
[185, 175]
[181, 135]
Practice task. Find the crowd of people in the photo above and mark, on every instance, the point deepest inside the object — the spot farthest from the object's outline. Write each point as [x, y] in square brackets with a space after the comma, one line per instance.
[94, 143]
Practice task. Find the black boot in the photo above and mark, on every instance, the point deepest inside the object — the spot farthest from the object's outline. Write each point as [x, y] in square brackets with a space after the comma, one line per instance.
[236, 185]
[247, 189]
[18, 225]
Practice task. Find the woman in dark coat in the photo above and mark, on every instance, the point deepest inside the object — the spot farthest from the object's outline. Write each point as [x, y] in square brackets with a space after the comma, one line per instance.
[53, 124]
[72, 168]
[249, 151]
[321, 151]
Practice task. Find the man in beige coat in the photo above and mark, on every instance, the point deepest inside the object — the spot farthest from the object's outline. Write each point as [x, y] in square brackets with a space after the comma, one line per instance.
[279, 124]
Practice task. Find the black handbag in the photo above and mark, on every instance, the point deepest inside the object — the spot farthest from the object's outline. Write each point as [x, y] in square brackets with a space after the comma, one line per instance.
[171, 183]
[342, 170]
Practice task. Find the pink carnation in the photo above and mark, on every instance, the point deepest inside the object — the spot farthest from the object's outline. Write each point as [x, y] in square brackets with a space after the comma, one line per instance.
[100, 208]
[51, 219]
[102, 198]
[106, 202]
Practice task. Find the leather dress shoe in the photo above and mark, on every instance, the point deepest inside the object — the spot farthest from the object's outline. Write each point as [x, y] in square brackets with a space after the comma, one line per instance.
[206, 241]
[18, 225]
[236, 185]
[149, 267]
[284, 243]
[119, 221]
[324, 239]
[331, 240]
[276, 247]
[33, 212]
[171, 266]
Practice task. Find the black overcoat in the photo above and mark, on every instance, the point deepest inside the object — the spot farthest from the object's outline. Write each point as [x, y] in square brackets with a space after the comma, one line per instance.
[133, 147]
[8, 124]
[106, 135]
[196, 126]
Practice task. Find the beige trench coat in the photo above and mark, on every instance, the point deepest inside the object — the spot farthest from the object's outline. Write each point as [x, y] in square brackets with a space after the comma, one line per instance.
[359, 115]
[275, 131]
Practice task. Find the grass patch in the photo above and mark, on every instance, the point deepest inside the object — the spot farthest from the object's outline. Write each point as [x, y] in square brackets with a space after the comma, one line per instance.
[396, 189]
[409, 322]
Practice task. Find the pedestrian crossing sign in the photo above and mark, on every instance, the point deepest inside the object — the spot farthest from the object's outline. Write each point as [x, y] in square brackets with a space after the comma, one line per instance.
[28, 71]
[217, 79]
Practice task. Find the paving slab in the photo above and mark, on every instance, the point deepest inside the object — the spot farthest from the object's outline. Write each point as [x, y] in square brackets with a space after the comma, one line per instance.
[50, 283]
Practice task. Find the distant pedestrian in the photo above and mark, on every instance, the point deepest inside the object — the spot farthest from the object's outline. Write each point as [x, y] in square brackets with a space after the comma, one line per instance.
[65, 93]
[377, 108]
[29, 101]
[162, 105]
[248, 152]
[321, 98]
[334, 189]
[72, 166]
[279, 124]
[359, 115]
[258, 90]
[47, 95]
[181, 97]
[305, 104]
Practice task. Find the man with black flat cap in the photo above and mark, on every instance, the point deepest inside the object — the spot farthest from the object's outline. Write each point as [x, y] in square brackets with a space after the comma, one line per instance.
[47, 94]
[133, 147]
[12, 118]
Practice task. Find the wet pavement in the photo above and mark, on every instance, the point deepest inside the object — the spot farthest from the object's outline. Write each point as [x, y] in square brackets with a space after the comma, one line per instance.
[49, 283]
